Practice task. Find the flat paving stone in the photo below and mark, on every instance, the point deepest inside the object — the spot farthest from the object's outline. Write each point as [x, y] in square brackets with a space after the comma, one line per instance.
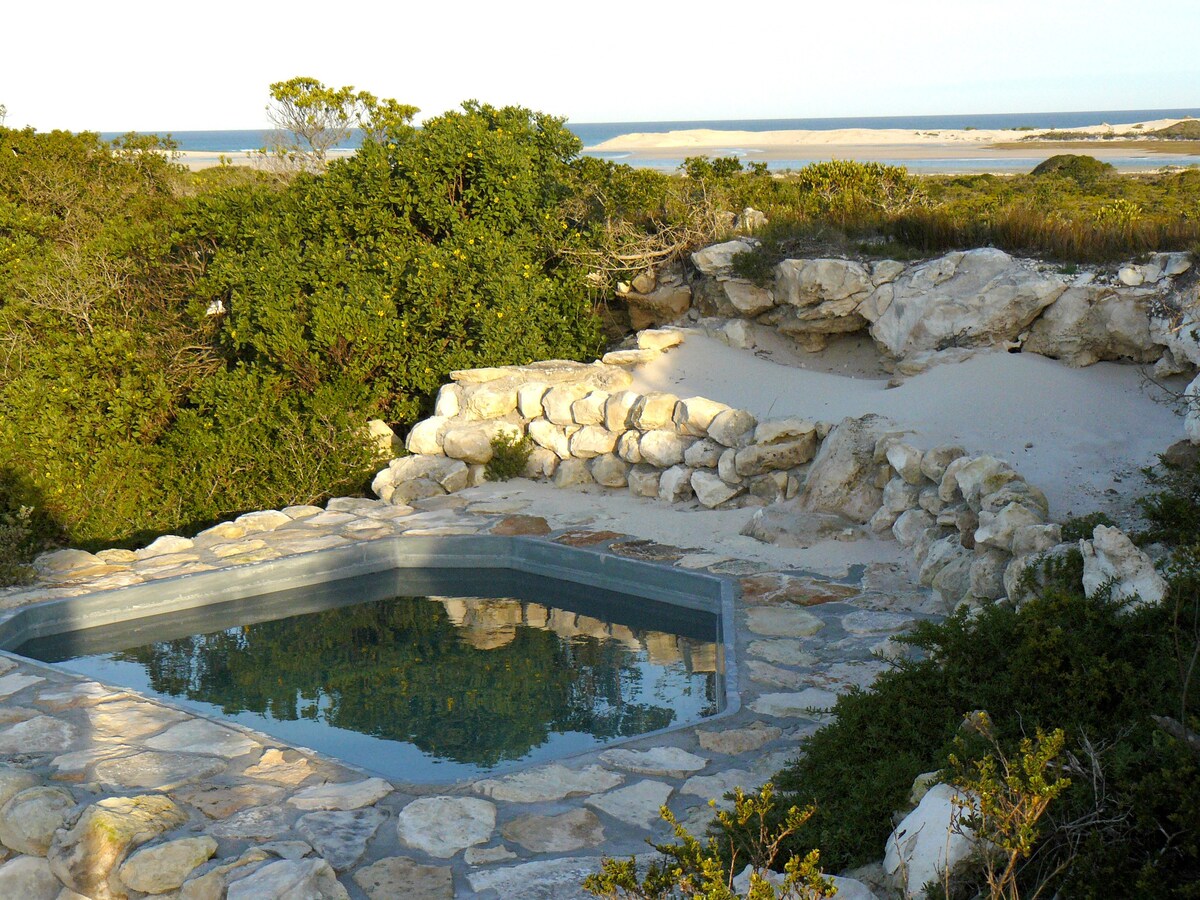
[715, 787]
[551, 879]
[870, 622]
[281, 766]
[340, 836]
[534, 526]
[638, 804]
[222, 801]
[259, 823]
[794, 705]
[156, 771]
[402, 878]
[783, 652]
[773, 676]
[733, 741]
[778, 588]
[16, 682]
[671, 762]
[574, 830]
[72, 766]
[287, 849]
[442, 826]
[782, 621]
[41, 734]
[72, 696]
[650, 551]
[199, 736]
[582, 538]
[552, 782]
[130, 719]
[342, 795]
[482, 856]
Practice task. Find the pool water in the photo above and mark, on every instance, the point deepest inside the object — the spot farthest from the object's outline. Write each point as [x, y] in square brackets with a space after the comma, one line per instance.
[423, 678]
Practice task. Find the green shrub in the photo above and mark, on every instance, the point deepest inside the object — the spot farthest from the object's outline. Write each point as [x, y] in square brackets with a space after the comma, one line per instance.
[510, 453]
[1081, 527]
[1083, 169]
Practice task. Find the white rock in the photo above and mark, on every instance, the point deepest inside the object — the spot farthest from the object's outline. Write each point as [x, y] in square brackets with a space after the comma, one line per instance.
[164, 867]
[800, 704]
[629, 446]
[555, 438]
[718, 258]
[591, 441]
[693, 415]
[930, 840]
[29, 878]
[910, 525]
[1112, 557]
[342, 795]
[808, 282]
[662, 448]
[442, 826]
[841, 478]
[643, 481]
[672, 762]
[638, 804]
[489, 402]
[675, 484]
[654, 410]
[999, 529]
[610, 471]
[975, 298]
[546, 783]
[618, 411]
[906, 460]
[572, 472]
[589, 410]
[29, 819]
[426, 436]
[732, 428]
[557, 402]
[168, 543]
[747, 298]
[779, 431]
[1191, 420]
[739, 334]
[704, 454]
[289, 879]
[711, 490]
[448, 402]
[659, 338]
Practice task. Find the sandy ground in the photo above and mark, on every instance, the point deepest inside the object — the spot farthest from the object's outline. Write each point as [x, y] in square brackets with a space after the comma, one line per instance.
[893, 138]
[1081, 435]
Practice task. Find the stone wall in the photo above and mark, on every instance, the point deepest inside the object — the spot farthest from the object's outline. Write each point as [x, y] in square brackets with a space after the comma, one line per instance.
[969, 521]
[965, 299]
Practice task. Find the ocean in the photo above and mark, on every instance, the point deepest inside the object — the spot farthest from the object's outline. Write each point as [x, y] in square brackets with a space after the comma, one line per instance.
[237, 142]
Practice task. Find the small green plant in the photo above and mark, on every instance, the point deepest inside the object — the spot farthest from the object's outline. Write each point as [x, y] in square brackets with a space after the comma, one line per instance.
[1008, 798]
[510, 453]
[1081, 527]
[708, 870]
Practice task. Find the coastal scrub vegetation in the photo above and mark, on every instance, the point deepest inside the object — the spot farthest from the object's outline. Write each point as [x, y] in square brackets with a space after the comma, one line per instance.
[177, 347]
[1093, 700]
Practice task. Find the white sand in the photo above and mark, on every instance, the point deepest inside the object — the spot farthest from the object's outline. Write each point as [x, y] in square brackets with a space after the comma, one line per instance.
[704, 138]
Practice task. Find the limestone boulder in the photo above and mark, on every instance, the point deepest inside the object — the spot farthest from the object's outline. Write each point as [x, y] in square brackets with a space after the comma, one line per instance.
[473, 443]
[930, 841]
[29, 819]
[935, 460]
[85, 855]
[427, 435]
[710, 490]
[841, 479]
[558, 401]
[29, 878]
[747, 298]
[287, 879]
[654, 410]
[675, 485]
[618, 410]
[1111, 558]
[665, 304]
[489, 401]
[732, 428]
[592, 441]
[758, 459]
[974, 298]
[165, 867]
[693, 415]
[718, 258]
[1092, 322]
[809, 282]
[643, 481]
[1191, 420]
[704, 454]
[555, 438]
[610, 471]
[448, 403]
[571, 472]
[663, 448]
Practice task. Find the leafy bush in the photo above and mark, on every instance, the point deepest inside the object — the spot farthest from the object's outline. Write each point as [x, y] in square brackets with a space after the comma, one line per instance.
[1091, 667]
[510, 453]
[693, 869]
[1083, 169]
[1082, 527]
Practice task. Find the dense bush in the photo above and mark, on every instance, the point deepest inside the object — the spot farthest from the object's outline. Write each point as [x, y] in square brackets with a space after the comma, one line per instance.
[215, 343]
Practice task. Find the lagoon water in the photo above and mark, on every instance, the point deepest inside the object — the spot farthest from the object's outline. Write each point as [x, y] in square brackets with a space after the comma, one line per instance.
[237, 142]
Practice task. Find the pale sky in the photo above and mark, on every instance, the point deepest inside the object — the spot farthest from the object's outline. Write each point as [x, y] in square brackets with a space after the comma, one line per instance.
[174, 66]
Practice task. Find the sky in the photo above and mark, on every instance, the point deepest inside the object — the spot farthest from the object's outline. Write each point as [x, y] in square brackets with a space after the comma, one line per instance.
[161, 66]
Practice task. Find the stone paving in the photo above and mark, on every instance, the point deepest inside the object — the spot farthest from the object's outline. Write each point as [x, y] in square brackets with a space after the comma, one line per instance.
[107, 794]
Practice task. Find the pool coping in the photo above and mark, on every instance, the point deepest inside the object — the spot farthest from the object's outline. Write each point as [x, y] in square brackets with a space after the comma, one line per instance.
[687, 589]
